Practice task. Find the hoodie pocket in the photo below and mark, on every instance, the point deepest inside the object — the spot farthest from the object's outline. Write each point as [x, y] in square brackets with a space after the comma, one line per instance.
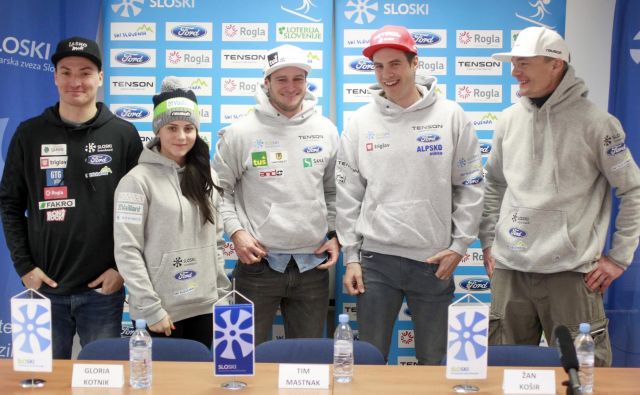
[409, 224]
[293, 225]
[529, 236]
[186, 277]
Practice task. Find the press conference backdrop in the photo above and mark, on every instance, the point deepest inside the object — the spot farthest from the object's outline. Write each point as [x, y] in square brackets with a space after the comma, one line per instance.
[218, 49]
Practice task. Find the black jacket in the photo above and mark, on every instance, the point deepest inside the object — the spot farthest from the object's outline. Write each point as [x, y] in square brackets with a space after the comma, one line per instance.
[65, 178]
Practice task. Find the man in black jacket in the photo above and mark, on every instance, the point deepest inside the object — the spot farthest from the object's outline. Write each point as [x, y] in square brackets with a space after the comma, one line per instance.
[62, 169]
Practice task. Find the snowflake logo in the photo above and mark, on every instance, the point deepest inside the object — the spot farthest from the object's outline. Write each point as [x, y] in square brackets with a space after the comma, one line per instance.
[606, 140]
[514, 218]
[362, 11]
[90, 147]
[464, 37]
[259, 143]
[32, 331]
[174, 57]
[231, 30]
[234, 334]
[229, 85]
[177, 262]
[466, 339]
[123, 7]
[464, 92]
[462, 163]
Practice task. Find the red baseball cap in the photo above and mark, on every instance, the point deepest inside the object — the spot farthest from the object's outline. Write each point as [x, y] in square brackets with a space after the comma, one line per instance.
[390, 36]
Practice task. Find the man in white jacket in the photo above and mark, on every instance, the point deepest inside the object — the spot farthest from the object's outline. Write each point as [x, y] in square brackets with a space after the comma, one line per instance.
[555, 158]
[276, 167]
[410, 187]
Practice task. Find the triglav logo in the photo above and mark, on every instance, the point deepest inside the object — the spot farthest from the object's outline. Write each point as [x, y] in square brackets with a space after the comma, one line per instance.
[127, 8]
[361, 11]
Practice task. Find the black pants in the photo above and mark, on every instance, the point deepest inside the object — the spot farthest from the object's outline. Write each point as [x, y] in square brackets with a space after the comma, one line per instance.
[198, 328]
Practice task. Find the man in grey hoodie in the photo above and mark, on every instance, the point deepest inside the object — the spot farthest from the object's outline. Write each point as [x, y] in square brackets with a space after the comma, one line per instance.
[410, 187]
[276, 167]
[555, 158]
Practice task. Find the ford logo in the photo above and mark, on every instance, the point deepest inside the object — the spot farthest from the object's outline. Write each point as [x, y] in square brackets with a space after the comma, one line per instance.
[425, 38]
[472, 181]
[185, 275]
[517, 232]
[132, 57]
[314, 149]
[99, 159]
[188, 31]
[427, 138]
[485, 148]
[361, 65]
[311, 87]
[132, 112]
[616, 149]
[475, 284]
[407, 311]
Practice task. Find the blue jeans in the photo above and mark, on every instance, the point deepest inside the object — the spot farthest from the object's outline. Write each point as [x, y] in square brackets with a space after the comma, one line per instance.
[387, 280]
[303, 298]
[92, 314]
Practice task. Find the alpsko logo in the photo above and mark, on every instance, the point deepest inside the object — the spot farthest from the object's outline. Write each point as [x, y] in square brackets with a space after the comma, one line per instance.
[130, 57]
[475, 284]
[517, 232]
[361, 65]
[426, 38]
[132, 112]
[188, 31]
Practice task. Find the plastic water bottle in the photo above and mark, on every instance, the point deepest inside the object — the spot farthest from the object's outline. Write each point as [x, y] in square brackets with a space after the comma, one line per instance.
[585, 349]
[343, 351]
[140, 357]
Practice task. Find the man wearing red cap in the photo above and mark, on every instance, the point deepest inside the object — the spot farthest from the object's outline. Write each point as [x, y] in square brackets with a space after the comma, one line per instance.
[409, 201]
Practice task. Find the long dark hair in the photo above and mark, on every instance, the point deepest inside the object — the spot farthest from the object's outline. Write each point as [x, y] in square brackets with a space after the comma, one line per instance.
[197, 184]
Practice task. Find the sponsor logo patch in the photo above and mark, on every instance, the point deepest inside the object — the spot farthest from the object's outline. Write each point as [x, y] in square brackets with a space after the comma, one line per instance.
[259, 159]
[53, 149]
[56, 215]
[52, 193]
[54, 204]
[53, 162]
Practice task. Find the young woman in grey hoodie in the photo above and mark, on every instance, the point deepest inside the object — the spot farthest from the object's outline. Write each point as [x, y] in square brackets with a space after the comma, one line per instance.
[167, 228]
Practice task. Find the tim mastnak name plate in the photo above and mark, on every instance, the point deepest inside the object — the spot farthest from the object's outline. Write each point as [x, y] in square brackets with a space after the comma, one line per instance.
[97, 376]
[303, 376]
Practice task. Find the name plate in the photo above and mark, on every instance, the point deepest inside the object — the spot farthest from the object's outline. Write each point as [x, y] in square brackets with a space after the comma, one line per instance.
[97, 376]
[303, 376]
[541, 382]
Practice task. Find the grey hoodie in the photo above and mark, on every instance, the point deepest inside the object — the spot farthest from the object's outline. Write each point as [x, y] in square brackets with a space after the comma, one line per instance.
[548, 197]
[409, 180]
[278, 176]
[170, 261]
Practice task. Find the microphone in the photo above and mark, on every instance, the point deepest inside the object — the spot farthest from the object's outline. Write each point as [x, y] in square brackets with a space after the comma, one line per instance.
[568, 358]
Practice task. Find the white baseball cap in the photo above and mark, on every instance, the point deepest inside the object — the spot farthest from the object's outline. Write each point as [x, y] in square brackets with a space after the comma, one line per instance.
[286, 56]
[536, 41]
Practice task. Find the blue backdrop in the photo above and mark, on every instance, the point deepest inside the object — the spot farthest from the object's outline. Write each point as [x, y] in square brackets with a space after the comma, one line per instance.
[623, 298]
[29, 32]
